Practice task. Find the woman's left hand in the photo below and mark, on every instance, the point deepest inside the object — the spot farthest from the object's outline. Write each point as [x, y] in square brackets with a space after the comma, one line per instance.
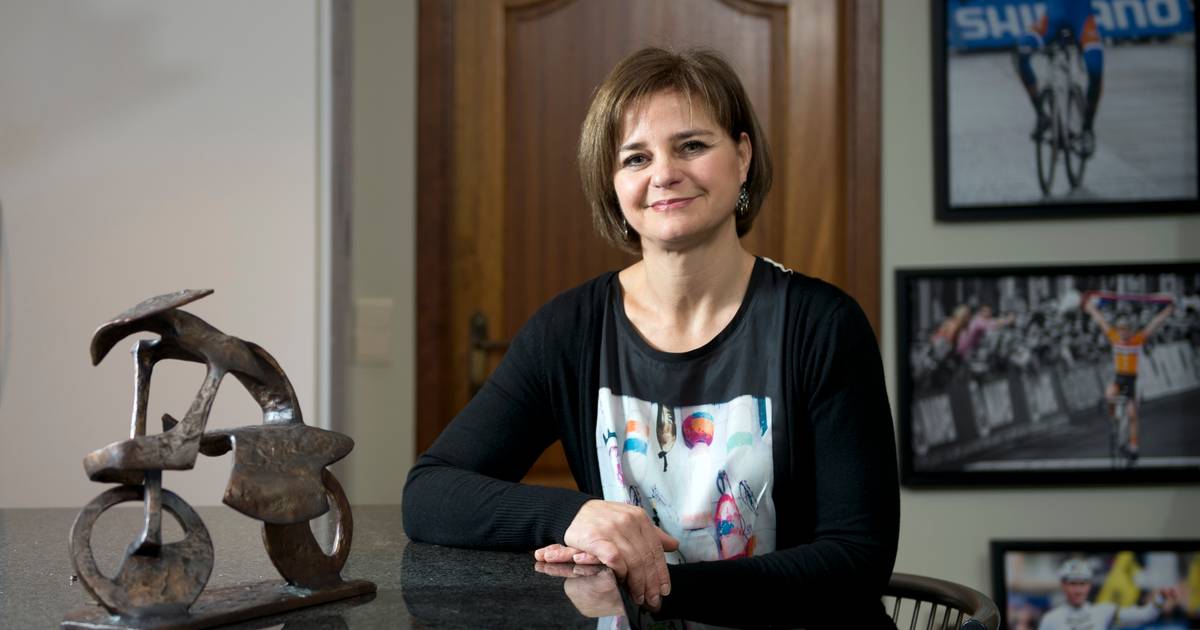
[557, 553]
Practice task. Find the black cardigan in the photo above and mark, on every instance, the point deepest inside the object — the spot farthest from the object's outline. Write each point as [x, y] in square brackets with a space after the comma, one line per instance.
[836, 491]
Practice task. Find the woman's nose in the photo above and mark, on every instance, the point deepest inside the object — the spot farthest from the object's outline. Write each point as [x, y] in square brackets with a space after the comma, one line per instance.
[666, 174]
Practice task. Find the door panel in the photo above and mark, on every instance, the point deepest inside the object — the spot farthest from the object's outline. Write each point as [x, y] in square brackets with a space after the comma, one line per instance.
[504, 225]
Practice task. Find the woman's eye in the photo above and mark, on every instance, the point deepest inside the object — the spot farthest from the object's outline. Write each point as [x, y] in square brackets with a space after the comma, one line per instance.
[634, 160]
[693, 146]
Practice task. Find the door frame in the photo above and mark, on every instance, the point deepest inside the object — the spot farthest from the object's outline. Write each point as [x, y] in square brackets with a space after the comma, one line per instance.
[860, 85]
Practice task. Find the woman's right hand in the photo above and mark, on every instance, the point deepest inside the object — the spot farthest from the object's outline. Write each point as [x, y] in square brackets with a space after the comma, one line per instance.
[622, 537]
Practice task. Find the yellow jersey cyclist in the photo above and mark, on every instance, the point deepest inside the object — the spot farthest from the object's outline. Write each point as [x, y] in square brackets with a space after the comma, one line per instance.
[1127, 348]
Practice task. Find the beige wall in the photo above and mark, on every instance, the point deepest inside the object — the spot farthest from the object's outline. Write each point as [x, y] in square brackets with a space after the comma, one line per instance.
[151, 146]
[382, 392]
[946, 532]
[148, 146]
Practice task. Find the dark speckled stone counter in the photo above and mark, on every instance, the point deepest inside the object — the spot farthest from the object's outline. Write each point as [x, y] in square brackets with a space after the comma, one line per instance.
[419, 586]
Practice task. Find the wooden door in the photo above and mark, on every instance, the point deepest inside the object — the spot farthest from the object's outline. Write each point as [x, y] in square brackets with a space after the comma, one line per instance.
[504, 86]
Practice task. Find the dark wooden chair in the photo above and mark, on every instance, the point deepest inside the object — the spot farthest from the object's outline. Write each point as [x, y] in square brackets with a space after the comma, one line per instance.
[929, 603]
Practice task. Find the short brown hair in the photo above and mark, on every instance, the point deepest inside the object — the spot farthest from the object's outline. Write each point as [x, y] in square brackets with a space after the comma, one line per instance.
[698, 73]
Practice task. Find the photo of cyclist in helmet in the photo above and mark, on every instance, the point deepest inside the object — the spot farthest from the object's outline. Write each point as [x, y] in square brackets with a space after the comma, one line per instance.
[1076, 579]
[1076, 20]
[1064, 107]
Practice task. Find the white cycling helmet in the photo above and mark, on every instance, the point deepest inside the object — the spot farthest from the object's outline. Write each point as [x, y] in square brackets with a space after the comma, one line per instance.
[1075, 570]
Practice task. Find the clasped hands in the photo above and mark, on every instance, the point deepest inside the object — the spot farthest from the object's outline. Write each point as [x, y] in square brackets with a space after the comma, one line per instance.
[622, 538]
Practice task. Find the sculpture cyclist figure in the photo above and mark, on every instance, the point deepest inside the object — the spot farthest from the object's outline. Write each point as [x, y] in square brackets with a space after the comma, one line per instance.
[279, 475]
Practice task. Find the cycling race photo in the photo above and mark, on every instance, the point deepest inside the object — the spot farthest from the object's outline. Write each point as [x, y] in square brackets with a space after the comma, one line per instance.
[1064, 107]
[1067, 374]
[1065, 585]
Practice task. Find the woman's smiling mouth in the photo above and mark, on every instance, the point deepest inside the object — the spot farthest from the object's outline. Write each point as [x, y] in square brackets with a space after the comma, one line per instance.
[671, 204]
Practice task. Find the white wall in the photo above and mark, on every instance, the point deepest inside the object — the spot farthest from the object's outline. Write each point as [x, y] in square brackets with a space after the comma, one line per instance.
[148, 146]
[945, 533]
[382, 392]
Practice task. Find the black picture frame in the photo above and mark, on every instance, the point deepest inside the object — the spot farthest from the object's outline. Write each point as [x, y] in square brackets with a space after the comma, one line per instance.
[1020, 399]
[1037, 587]
[1145, 160]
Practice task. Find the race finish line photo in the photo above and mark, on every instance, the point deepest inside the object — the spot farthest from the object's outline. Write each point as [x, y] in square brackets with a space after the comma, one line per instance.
[1064, 108]
[1067, 374]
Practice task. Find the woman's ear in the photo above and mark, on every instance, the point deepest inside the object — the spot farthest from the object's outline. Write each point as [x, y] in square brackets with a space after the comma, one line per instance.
[745, 153]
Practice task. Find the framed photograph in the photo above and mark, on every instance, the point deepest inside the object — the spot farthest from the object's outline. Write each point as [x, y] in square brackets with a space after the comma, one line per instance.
[1146, 584]
[1064, 108]
[1035, 375]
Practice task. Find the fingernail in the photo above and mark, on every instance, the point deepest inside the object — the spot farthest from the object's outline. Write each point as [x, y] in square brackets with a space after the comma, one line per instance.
[579, 557]
[666, 589]
[654, 601]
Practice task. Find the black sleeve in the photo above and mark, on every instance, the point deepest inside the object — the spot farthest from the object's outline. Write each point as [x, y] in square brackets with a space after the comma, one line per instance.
[463, 491]
[854, 495]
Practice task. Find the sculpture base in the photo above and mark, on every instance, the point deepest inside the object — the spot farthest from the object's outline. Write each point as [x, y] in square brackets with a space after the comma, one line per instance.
[222, 606]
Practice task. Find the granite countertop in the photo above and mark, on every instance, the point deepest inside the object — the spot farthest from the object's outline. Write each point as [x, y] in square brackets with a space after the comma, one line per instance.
[419, 585]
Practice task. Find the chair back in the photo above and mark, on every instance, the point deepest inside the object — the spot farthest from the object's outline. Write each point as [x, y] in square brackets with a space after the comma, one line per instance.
[929, 603]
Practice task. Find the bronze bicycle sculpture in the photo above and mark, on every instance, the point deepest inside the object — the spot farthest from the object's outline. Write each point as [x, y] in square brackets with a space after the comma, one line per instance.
[279, 477]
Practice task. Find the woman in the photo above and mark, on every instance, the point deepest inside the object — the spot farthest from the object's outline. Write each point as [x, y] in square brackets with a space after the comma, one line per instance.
[731, 413]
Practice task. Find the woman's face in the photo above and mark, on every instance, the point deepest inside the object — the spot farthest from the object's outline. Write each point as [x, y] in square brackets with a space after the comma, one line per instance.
[678, 172]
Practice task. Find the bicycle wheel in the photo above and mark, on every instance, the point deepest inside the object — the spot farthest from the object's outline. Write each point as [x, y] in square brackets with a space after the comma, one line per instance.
[1046, 143]
[1074, 157]
[1114, 439]
[1127, 456]
[163, 583]
[296, 553]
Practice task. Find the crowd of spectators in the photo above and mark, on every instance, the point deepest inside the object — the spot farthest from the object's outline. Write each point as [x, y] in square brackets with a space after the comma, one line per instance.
[1033, 337]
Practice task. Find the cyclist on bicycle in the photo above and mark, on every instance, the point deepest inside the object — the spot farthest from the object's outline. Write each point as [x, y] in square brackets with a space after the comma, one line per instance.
[1077, 18]
[1076, 581]
[1127, 346]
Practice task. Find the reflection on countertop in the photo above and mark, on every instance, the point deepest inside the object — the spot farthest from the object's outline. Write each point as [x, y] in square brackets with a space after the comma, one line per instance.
[419, 585]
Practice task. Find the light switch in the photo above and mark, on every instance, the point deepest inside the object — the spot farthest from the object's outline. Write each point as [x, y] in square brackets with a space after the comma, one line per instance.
[373, 331]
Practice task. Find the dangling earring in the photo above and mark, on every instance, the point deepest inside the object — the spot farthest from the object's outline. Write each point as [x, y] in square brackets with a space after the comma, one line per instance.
[628, 230]
[743, 202]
